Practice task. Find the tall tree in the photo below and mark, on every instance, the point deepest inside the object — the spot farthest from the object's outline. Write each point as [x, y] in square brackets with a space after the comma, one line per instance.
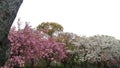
[8, 12]
[50, 28]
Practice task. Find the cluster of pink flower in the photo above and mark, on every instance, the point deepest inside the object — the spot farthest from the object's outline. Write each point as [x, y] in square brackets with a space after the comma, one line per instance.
[28, 44]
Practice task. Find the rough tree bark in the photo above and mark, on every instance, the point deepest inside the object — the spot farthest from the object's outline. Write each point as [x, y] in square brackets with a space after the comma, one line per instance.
[8, 12]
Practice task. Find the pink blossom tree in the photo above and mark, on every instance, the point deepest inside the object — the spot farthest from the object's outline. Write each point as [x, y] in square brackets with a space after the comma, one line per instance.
[29, 44]
[52, 51]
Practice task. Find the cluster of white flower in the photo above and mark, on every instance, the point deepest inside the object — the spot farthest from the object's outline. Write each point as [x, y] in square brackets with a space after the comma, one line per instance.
[96, 49]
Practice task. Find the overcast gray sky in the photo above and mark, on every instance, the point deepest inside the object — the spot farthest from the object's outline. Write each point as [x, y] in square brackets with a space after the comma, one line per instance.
[83, 17]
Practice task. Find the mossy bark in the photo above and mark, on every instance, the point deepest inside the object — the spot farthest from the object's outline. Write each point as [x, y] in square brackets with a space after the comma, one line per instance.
[8, 12]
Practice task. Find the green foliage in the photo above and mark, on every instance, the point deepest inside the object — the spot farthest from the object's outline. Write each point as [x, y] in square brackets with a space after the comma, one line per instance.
[67, 38]
[50, 27]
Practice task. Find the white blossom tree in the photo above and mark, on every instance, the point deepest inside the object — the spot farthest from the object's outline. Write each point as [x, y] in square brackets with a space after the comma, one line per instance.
[97, 49]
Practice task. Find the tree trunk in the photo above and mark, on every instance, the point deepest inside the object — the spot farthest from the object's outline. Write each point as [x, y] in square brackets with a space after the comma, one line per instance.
[32, 63]
[105, 65]
[8, 11]
[99, 64]
[48, 63]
